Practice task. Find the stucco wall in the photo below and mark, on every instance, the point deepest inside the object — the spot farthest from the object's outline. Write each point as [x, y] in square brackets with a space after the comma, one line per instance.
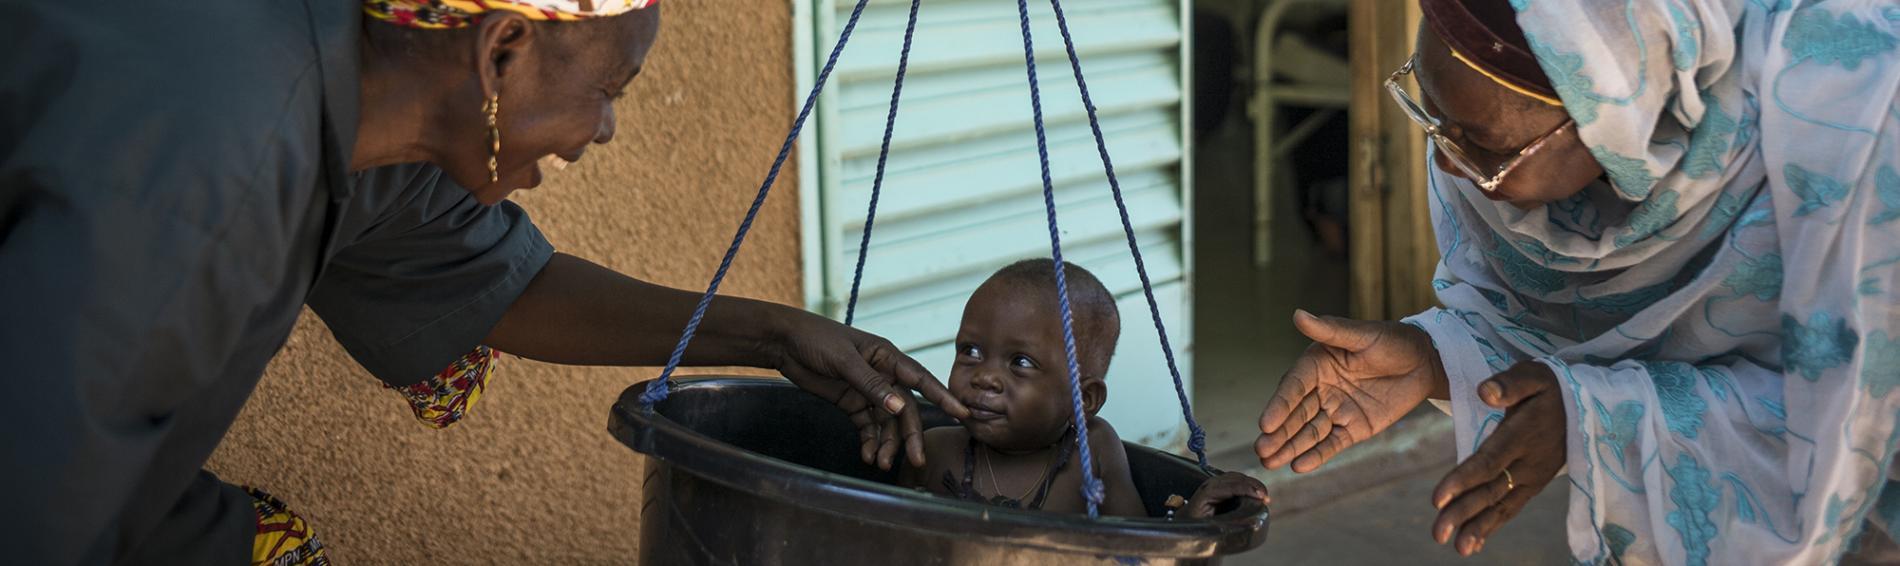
[531, 476]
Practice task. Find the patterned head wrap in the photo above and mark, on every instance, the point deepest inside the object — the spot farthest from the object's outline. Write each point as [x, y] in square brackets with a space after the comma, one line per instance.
[449, 14]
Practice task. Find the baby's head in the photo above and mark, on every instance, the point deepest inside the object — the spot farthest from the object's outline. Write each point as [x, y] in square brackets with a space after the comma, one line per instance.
[1012, 370]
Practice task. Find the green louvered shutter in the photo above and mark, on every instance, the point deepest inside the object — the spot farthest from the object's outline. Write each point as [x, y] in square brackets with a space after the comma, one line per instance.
[962, 195]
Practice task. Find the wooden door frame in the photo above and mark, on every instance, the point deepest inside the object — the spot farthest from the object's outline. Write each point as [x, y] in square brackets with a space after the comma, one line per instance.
[1393, 252]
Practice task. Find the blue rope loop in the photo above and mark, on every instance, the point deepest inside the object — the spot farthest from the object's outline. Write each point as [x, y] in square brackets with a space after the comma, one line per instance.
[659, 388]
[1092, 489]
[1197, 438]
[883, 155]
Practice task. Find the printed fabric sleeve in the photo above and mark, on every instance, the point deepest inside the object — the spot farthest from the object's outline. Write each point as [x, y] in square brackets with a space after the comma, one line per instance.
[1466, 346]
[444, 398]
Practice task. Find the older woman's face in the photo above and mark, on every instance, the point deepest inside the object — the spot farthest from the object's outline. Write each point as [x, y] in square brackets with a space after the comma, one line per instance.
[1484, 117]
[556, 92]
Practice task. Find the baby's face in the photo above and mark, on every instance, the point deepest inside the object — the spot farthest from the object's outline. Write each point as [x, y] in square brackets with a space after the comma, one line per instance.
[1011, 369]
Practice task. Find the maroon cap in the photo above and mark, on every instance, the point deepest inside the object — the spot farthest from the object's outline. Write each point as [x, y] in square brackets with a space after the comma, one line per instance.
[1485, 34]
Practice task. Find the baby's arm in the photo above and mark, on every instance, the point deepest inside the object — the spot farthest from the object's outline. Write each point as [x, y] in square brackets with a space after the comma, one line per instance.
[1119, 498]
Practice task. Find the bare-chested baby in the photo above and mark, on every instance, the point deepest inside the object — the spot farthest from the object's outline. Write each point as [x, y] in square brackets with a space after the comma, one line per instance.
[1017, 448]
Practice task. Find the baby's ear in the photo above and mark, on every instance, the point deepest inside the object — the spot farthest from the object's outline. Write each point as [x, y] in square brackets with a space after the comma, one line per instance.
[1094, 395]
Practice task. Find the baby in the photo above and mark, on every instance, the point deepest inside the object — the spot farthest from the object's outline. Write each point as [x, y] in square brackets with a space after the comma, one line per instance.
[1017, 447]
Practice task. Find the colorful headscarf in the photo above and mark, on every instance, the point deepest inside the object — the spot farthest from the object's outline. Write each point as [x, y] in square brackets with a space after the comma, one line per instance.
[449, 14]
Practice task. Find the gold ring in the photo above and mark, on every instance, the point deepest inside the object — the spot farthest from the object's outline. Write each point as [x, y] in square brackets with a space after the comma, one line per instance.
[1509, 484]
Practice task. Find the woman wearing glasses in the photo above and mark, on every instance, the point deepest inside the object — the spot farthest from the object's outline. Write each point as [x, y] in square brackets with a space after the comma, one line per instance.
[1670, 263]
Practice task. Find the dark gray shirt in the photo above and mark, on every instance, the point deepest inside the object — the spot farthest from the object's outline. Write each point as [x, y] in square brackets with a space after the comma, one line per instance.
[173, 189]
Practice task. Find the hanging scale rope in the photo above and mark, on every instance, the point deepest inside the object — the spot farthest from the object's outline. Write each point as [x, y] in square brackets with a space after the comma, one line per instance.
[1092, 488]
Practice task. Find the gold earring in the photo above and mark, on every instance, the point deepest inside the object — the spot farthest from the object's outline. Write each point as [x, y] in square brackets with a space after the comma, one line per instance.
[491, 108]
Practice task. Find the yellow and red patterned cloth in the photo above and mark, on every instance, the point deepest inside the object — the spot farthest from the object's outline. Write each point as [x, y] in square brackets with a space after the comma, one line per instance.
[283, 538]
[442, 400]
[449, 14]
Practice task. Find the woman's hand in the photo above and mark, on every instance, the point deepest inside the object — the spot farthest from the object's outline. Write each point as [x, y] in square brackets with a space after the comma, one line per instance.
[1219, 489]
[577, 312]
[1511, 466]
[1356, 379]
[853, 368]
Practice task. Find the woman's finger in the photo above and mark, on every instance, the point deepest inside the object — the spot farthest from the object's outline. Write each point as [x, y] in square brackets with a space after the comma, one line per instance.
[911, 427]
[887, 444]
[1338, 440]
[886, 358]
[840, 393]
[915, 442]
[1271, 442]
[1309, 436]
[1298, 383]
[1343, 333]
[1474, 532]
[1503, 447]
[1468, 504]
[1483, 466]
[872, 385]
[867, 439]
[1514, 385]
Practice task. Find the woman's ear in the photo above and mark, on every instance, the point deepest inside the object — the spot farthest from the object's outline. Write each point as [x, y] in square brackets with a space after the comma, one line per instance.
[1094, 395]
[498, 44]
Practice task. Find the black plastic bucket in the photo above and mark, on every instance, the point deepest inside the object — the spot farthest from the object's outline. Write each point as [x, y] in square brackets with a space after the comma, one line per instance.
[755, 471]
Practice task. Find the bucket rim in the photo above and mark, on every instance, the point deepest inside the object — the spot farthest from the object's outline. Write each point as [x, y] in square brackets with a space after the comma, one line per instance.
[651, 433]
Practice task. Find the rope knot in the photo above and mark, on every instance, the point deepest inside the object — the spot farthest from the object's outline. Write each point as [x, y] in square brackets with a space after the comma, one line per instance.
[1093, 490]
[656, 392]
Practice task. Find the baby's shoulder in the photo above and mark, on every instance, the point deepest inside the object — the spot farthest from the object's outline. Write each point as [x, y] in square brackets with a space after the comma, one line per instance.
[1101, 432]
[945, 443]
[948, 434]
[1107, 443]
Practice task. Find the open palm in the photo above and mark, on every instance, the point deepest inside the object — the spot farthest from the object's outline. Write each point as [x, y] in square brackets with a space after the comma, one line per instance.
[1356, 379]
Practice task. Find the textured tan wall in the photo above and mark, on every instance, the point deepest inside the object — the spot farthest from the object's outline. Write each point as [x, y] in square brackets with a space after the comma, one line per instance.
[531, 476]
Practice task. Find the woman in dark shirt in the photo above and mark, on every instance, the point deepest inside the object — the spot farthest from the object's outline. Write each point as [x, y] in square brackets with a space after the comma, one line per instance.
[178, 180]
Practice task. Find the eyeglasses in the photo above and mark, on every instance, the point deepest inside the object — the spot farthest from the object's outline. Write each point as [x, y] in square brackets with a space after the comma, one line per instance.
[1485, 168]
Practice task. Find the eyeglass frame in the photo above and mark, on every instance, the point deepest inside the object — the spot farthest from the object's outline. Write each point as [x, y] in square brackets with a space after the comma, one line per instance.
[1457, 155]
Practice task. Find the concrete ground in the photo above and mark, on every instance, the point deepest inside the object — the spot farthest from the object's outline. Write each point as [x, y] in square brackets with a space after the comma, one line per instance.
[1371, 504]
[1391, 524]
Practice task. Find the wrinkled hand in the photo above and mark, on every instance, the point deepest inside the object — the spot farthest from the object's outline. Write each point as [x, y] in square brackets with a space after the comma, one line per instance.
[1356, 379]
[1219, 489]
[853, 368]
[1477, 497]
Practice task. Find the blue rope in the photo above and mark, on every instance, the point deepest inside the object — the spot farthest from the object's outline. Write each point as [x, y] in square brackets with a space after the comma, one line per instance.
[1091, 486]
[883, 154]
[659, 388]
[1197, 438]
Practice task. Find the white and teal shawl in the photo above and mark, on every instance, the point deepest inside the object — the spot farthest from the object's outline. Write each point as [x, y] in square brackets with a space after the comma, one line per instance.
[1721, 315]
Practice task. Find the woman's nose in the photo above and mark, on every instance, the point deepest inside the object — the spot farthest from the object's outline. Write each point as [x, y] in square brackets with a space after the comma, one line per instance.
[605, 132]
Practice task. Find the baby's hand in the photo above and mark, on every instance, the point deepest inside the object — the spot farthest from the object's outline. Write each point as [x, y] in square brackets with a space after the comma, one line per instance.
[1219, 489]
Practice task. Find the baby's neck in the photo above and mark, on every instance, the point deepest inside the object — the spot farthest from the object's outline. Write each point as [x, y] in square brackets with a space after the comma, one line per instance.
[1014, 454]
[1017, 453]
